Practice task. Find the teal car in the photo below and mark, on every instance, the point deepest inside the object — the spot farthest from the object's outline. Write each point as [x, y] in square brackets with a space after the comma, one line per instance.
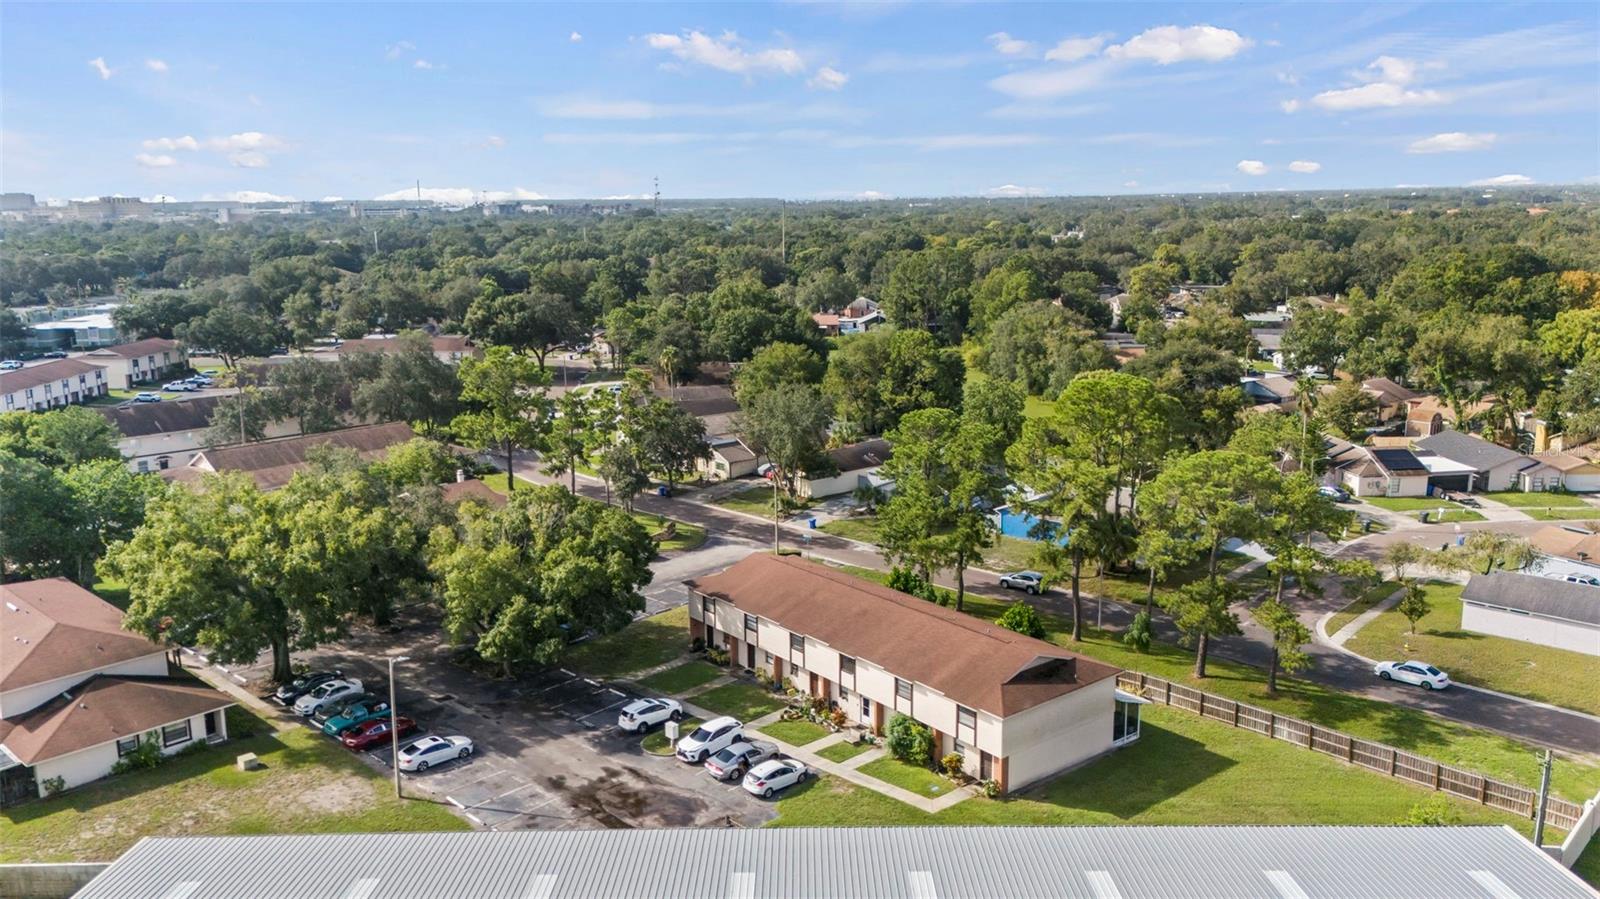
[355, 713]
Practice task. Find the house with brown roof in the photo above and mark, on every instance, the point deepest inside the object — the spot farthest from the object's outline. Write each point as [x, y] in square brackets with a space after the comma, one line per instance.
[77, 692]
[1571, 472]
[158, 436]
[1393, 399]
[1570, 548]
[729, 459]
[1017, 710]
[151, 359]
[1379, 471]
[853, 465]
[447, 348]
[49, 385]
[273, 462]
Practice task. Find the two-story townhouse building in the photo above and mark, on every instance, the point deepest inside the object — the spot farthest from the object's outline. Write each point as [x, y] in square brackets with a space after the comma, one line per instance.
[77, 692]
[1018, 710]
[48, 385]
[158, 436]
[151, 359]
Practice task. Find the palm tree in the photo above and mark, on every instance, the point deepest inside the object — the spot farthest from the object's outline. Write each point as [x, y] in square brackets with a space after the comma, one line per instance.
[667, 364]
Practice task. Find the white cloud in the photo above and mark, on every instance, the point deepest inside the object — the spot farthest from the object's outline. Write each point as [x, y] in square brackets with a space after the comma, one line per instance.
[1050, 82]
[160, 198]
[1452, 142]
[333, 199]
[1072, 49]
[250, 159]
[828, 79]
[494, 142]
[1010, 46]
[1130, 184]
[872, 195]
[575, 38]
[1012, 190]
[1305, 167]
[1388, 86]
[245, 140]
[578, 107]
[1168, 44]
[425, 65]
[155, 160]
[99, 65]
[1378, 94]
[726, 54]
[1044, 110]
[398, 49]
[930, 62]
[1501, 181]
[1290, 106]
[1252, 167]
[172, 143]
[462, 196]
[248, 196]
[156, 65]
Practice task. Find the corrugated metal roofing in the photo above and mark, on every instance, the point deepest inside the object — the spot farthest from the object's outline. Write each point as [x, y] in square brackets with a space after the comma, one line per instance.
[851, 863]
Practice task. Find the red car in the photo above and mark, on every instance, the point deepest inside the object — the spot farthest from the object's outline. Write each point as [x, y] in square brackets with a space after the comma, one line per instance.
[374, 733]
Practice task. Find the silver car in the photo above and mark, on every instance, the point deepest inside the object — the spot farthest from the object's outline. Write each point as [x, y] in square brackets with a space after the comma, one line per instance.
[1030, 581]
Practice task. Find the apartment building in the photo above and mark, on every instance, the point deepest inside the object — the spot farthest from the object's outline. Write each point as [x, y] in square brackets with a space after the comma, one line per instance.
[49, 385]
[1018, 710]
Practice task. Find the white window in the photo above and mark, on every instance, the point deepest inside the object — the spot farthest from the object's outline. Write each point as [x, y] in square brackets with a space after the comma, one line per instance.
[902, 696]
[144, 464]
[127, 745]
[173, 734]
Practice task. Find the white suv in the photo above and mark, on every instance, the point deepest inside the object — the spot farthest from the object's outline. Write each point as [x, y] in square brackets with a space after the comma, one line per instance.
[332, 693]
[708, 739]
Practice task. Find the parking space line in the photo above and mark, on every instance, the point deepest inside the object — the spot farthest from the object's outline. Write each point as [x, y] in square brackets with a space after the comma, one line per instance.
[622, 701]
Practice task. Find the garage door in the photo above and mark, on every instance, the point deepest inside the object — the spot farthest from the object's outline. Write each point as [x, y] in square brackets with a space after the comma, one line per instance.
[1453, 482]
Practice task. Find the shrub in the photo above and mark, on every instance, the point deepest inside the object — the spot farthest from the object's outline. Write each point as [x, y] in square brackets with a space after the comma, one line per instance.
[1435, 811]
[763, 678]
[717, 657]
[698, 644]
[838, 719]
[907, 581]
[951, 764]
[1138, 634]
[990, 789]
[1022, 618]
[145, 756]
[909, 741]
[53, 785]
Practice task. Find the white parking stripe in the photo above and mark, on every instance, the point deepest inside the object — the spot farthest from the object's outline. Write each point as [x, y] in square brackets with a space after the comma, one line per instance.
[623, 701]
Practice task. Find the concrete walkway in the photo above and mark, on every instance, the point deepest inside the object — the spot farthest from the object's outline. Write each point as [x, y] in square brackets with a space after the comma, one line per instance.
[1355, 624]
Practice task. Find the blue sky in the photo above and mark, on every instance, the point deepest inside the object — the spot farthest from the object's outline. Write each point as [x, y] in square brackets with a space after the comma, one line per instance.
[798, 100]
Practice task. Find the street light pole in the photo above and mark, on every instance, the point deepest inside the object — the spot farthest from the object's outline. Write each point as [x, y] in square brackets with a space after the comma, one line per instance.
[394, 726]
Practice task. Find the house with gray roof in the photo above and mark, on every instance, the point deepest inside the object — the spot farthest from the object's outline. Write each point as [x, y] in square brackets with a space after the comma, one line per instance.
[1478, 465]
[1534, 609]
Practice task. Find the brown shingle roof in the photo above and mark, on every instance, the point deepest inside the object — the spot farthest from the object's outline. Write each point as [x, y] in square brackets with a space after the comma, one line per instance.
[146, 347]
[444, 343]
[973, 662]
[103, 709]
[866, 454]
[1564, 462]
[54, 628]
[1570, 542]
[46, 373]
[273, 462]
[457, 492]
[144, 419]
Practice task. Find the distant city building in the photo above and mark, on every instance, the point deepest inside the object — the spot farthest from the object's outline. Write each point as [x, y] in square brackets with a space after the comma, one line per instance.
[17, 202]
[107, 209]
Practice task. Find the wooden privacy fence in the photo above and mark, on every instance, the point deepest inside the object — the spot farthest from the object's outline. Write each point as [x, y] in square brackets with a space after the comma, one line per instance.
[1377, 757]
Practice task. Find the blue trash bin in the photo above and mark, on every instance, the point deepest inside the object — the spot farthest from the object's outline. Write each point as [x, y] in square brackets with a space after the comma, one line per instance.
[661, 490]
[811, 523]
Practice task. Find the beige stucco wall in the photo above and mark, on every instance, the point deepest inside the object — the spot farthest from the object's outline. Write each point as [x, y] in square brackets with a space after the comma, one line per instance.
[1058, 734]
[15, 702]
[1544, 631]
[95, 762]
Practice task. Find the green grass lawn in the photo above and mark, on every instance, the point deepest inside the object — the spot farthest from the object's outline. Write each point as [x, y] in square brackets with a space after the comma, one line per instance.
[795, 733]
[1413, 730]
[114, 592]
[1587, 514]
[743, 701]
[1183, 770]
[1588, 866]
[1374, 595]
[906, 776]
[1521, 500]
[309, 784]
[1453, 515]
[686, 537]
[864, 528]
[751, 501]
[656, 742]
[682, 678]
[1538, 672]
[1011, 553]
[643, 644]
[843, 752]
[1410, 503]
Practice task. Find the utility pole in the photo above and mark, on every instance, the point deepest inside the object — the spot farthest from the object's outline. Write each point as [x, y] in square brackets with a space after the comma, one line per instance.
[374, 241]
[655, 198]
[783, 231]
[776, 550]
[394, 726]
[1544, 799]
[419, 191]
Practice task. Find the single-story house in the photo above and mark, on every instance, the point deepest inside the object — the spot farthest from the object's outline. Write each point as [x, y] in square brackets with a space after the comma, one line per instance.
[1534, 609]
[464, 489]
[273, 462]
[1393, 399]
[861, 315]
[1269, 344]
[48, 385]
[77, 691]
[1274, 389]
[1569, 472]
[713, 404]
[1479, 464]
[151, 359]
[729, 459]
[158, 436]
[857, 465]
[1366, 471]
[447, 348]
[1568, 549]
[1018, 710]
[827, 323]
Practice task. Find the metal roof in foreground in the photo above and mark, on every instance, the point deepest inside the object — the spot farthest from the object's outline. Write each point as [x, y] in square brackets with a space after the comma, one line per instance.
[844, 863]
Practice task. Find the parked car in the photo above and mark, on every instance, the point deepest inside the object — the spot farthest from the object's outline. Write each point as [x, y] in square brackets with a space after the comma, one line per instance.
[375, 732]
[177, 386]
[643, 714]
[304, 684]
[774, 776]
[10, 365]
[200, 381]
[54, 354]
[334, 692]
[420, 755]
[355, 714]
[1419, 673]
[1469, 502]
[708, 739]
[1031, 581]
[732, 762]
[1337, 494]
[334, 709]
[147, 397]
[1583, 579]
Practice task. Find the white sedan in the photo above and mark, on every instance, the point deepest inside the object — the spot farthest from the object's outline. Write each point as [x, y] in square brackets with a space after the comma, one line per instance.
[1419, 673]
[643, 714]
[420, 755]
[774, 776]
